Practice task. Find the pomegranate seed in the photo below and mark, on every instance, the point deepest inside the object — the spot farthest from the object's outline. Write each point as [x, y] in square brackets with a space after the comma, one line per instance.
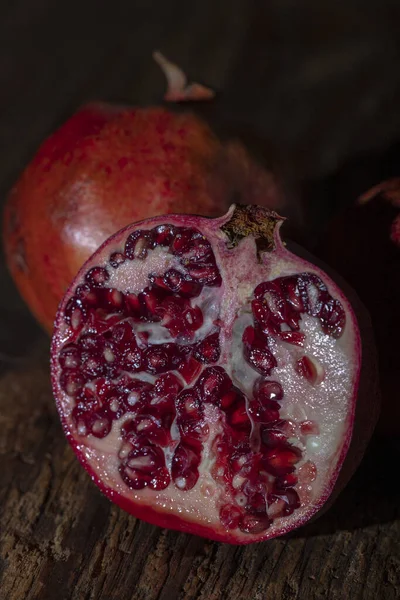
[91, 418]
[116, 406]
[144, 466]
[138, 244]
[190, 288]
[132, 360]
[133, 305]
[158, 281]
[163, 234]
[260, 290]
[254, 524]
[71, 382]
[184, 467]
[188, 405]
[182, 241]
[271, 295]
[230, 516]
[199, 251]
[113, 299]
[189, 369]
[173, 280]
[241, 463]
[295, 293]
[214, 383]
[138, 393]
[333, 318]
[87, 295]
[307, 472]
[123, 335]
[208, 350]
[290, 499]
[292, 337]
[273, 436]
[92, 366]
[100, 427]
[309, 428]
[316, 292]
[136, 480]
[116, 259]
[206, 275]
[236, 415]
[179, 317]
[149, 300]
[193, 431]
[167, 384]
[103, 388]
[193, 318]
[228, 399]
[172, 306]
[75, 314]
[265, 390]
[160, 480]
[69, 357]
[281, 461]
[256, 352]
[286, 481]
[161, 358]
[261, 313]
[256, 503]
[264, 413]
[307, 368]
[90, 342]
[97, 276]
[145, 459]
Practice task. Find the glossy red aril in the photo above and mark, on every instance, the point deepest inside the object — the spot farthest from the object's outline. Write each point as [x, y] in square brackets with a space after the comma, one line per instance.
[207, 379]
[106, 167]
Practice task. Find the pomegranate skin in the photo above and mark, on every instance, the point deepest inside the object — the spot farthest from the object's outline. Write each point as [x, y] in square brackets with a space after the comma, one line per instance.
[361, 416]
[108, 166]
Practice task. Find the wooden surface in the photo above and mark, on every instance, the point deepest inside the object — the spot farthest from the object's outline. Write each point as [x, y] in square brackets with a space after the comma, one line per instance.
[314, 85]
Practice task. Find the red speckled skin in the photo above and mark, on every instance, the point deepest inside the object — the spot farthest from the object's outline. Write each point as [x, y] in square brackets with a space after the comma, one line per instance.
[107, 167]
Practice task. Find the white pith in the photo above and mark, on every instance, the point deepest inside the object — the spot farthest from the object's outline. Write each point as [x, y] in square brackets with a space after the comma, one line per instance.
[328, 403]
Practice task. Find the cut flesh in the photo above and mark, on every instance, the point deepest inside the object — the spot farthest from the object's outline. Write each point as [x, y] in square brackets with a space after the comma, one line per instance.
[206, 384]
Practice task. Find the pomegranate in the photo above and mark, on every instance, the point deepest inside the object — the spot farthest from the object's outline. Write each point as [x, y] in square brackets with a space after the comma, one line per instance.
[207, 377]
[104, 168]
[370, 247]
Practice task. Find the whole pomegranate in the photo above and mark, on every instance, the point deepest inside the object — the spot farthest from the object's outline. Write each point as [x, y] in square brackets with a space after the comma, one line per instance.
[207, 377]
[368, 256]
[104, 168]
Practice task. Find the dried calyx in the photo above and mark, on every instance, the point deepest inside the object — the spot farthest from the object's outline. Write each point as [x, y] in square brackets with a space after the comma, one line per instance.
[207, 377]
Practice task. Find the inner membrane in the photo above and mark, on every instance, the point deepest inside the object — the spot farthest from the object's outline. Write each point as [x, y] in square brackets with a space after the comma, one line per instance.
[141, 362]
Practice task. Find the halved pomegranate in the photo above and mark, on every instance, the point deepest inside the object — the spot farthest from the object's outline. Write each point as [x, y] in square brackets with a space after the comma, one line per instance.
[206, 377]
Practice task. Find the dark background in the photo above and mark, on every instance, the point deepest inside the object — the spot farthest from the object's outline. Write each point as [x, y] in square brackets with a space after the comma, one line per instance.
[316, 86]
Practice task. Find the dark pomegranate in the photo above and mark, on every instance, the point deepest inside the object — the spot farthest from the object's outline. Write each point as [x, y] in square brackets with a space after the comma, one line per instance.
[104, 168]
[368, 256]
[207, 378]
